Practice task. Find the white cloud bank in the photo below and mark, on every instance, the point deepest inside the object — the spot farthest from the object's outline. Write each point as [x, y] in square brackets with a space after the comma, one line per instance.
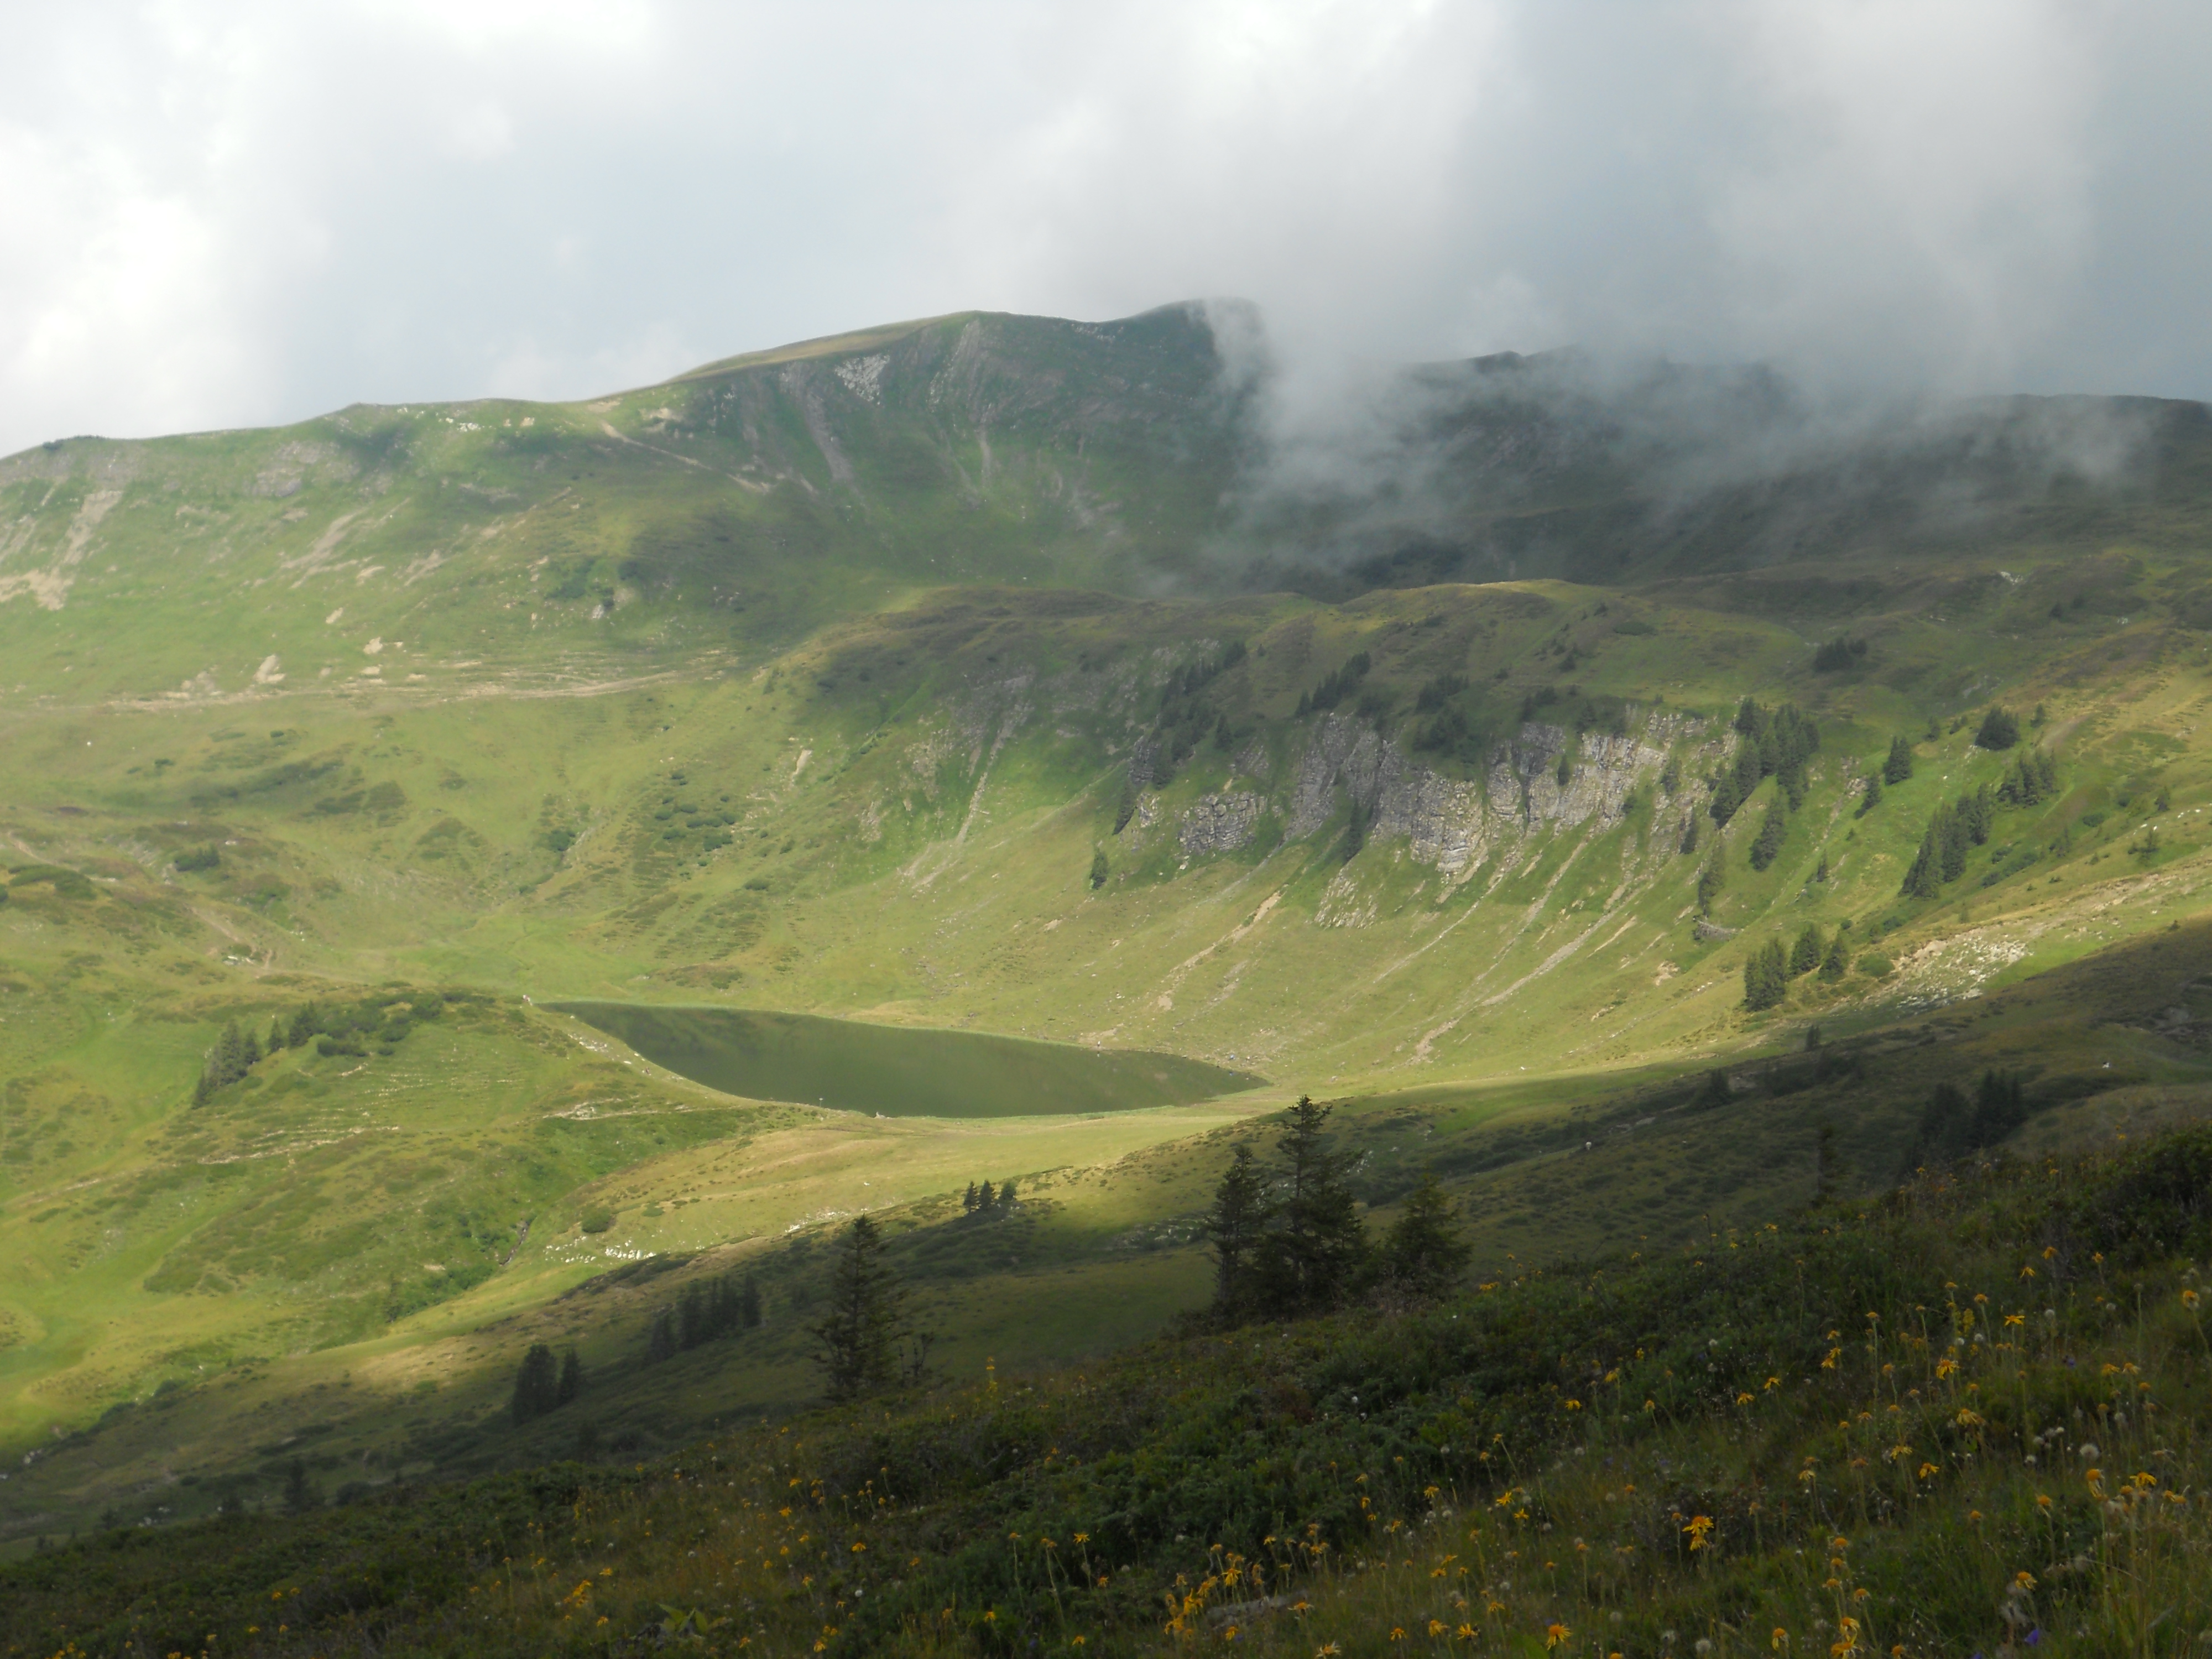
[223, 213]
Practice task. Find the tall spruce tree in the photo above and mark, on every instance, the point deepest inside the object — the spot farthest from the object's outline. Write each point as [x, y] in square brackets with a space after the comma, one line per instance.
[859, 1333]
[572, 1378]
[1310, 1256]
[1712, 878]
[1423, 1250]
[1805, 955]
[1234, 1229]
[1925, 878]
[691, 1323]
[1899, 766]
[1870, 796]
[536, 1384]
[1837, 962]
[300, 1495]
[1767, 846]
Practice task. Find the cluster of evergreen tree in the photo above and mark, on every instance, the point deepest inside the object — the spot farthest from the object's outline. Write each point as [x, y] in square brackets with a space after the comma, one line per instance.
[543, 1385]
[1290, 1241]
[1841, 652]
[1769, 969]
[1435, 693]
[703, 1313]
[1952, 1125]
[2000, 729]
[2033, 780]
[347, 1028]
[1778, 743]
[235, 1053]
[1447, 732]
[1188, 717]
[1953, 834]
[985, 1201]
[1766, 975]
[1336, 687]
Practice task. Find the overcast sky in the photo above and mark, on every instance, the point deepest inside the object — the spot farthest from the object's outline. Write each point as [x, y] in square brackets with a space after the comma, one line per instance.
[221, 214]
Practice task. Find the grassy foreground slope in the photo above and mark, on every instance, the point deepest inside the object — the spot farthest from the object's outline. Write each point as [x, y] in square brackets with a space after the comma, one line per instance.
[909, 677]
[1969, 1417]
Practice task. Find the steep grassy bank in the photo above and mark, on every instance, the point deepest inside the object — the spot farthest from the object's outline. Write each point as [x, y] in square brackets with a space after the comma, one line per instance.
[1972, 1414]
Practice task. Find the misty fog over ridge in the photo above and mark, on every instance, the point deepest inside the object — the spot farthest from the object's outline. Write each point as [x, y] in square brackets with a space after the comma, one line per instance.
[1605, 464]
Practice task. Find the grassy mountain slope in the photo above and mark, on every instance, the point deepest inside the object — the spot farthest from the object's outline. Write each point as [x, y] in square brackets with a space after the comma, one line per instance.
[1968, 1419]
[911, 676]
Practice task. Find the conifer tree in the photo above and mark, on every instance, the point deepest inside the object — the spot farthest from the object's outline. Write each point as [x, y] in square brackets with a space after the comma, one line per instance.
[1837, 962]
[985, 1198]
[1727, 797]
[1006, 1195]
[1234, 1227]
[1805, 955]
[660, 1341]
[1925, 878]
[1310, 1256]
[1977, 815]
[748, 1304]
[967, 1199]
[536, 1384]
[1954, 840]
[572, 1378]
[1870, 796]
[691, 1317]
[299, 1496]
[2000, 1108]
[1767, 845]
[1689, 835]
[722, 1307]
[1423, 1250]
[1899, 767]
[1710, 879]
[859, 1333]
[234, 1055]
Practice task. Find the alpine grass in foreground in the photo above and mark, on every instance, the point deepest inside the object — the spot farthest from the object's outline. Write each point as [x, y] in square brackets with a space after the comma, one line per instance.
[1968, 1418]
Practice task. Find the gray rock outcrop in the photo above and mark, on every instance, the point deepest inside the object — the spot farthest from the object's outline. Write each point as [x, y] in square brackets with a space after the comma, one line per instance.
[1221, 823]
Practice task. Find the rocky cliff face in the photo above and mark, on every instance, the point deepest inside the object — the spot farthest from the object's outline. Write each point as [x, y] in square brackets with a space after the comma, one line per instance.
[1453, 823]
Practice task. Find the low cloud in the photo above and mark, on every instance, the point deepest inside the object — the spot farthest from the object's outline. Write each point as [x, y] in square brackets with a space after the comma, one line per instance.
[225, 213]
